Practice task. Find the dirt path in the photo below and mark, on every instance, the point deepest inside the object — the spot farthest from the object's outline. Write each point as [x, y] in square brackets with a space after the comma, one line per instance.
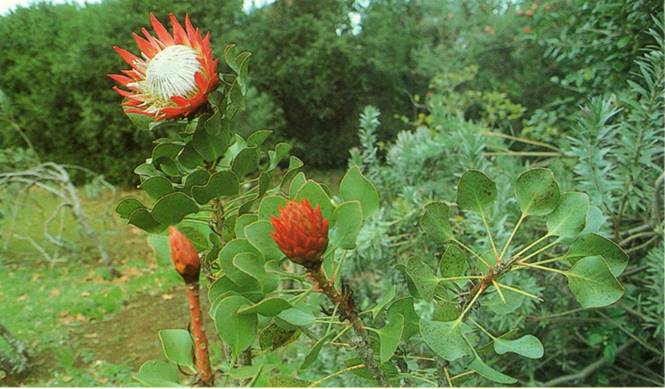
[128, 337]
[131, 335]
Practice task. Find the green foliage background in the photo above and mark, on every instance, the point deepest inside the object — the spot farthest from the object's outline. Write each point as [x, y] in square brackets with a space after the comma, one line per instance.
[450, 81]
[313, 68]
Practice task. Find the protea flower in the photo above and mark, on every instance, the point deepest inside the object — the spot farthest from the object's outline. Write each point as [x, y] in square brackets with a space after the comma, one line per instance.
[184, 256]
[173, 75]
[301, 233]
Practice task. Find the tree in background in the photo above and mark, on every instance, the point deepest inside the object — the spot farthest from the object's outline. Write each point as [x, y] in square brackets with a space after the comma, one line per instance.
[314, 66]
[307, 59]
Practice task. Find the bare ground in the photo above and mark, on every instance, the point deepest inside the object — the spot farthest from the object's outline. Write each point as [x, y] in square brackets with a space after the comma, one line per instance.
[128, 337]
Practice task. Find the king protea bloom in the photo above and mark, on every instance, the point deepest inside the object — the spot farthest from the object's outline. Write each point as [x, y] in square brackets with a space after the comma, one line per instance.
[173, 75]
[301, 233]
[184, 256]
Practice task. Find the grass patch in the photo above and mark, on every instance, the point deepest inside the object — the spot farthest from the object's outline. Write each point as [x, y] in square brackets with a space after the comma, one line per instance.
[84, 328]
[45, 302]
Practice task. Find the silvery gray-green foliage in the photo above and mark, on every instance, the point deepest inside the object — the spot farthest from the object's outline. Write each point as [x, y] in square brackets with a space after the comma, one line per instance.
[653, 300]
[367, 156]
[591, 143]
[426, 163]
[618, 143]
[617, 147]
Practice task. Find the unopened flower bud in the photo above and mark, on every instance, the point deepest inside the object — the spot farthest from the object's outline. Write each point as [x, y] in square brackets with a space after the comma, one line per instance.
[301, 233]
[184, 256]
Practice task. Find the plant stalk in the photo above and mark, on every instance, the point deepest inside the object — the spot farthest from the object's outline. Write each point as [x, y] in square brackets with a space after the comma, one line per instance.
[198, 334]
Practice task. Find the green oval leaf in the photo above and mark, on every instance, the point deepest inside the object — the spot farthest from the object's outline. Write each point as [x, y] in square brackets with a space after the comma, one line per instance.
[445, 338]
[435, 222]
[177, 346]
[296, 317]
[157, 186]
[238, 331]
[226, 260]
[537, 192]
[258, 137]
[273, 336]
[158, 374]
[269, 307]
[314, 352]
[265, 179]
[389, 337]
[594, 244]
[222, 183]
[453, 263]
[243, 221]
[203, 144]
[270, 205]
[161, 248]
[259, 234]
[147, 170]
[594, 220]
[488, 372]
[593, 284]
[297, 182]
[422, 277]
[386, 297]
[475, 191]
[198, 177]
[445, 310]
[494, 303]
[315, 194]
[404, 307]
[126, 206]
[166, 149]
[189, 157]
[246, 162]
[527, 346]
[354, 186]
[173, 207]
[569, 217]
[253, 266]
[281, 151]
[225, 286]
[345, 224]
[143, 219]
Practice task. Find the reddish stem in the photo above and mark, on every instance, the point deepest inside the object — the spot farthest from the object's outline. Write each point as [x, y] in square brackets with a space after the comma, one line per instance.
[199, 336]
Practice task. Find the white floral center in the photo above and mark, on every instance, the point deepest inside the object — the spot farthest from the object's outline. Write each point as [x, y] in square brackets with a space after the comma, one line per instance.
[171, 72]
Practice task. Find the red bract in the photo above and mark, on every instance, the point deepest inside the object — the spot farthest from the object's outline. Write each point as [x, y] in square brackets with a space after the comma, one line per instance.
[301, 233]
[184, 256]
[173, 75]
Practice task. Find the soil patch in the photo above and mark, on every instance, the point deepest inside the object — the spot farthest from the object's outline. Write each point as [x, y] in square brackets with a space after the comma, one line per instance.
[131, 336]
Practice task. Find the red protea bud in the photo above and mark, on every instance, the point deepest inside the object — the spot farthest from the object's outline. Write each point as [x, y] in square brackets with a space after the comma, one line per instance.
[184, 256]
[301, 233]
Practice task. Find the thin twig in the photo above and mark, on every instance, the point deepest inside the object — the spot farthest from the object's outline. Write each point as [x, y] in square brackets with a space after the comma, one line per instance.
[587, 371]
[335, 374]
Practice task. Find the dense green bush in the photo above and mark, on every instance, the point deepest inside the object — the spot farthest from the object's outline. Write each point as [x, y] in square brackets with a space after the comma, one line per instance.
[55, 59]
[314, 65]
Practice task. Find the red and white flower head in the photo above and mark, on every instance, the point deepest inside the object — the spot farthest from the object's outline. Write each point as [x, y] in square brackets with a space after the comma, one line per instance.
[173, 75]
[301, 233]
